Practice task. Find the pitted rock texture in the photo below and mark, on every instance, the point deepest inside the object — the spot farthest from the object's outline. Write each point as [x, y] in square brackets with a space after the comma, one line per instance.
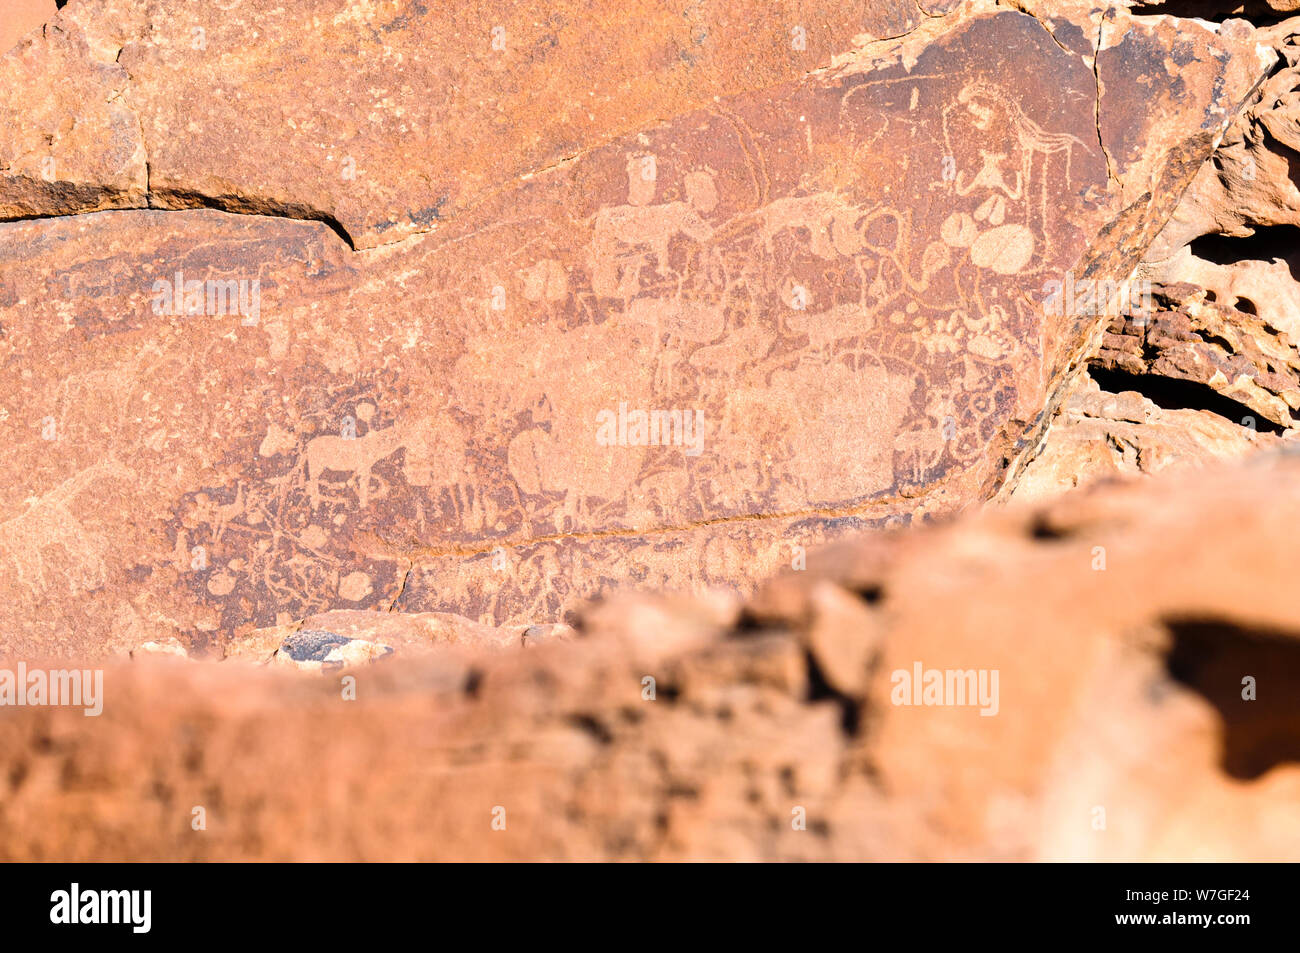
[311, 645]
[1103, 434]
[1206, 368]
[1249, 183]
[828, 287]
[317, 650]
[1234, 353]
[1124, 625]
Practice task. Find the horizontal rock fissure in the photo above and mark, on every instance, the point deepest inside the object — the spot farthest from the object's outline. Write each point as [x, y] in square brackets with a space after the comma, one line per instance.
[1257, 12]
[488, 546]
[234, 205]
[192, 201]
[1173, 394]
[1268, 243]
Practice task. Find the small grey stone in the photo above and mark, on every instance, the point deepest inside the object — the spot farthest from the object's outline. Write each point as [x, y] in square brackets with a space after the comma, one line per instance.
[312, 645]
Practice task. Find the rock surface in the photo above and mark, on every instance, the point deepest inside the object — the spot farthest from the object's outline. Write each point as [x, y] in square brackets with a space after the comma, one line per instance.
[1233, 353]
[347, 348]
[401, 116]
[1207, 367]
[1123, 623]
[1248, 184]
[20, 17]
[1100, 435]
[834, 282]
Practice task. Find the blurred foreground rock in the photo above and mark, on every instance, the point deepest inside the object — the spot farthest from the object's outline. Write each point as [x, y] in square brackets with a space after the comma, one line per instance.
[1145, 639]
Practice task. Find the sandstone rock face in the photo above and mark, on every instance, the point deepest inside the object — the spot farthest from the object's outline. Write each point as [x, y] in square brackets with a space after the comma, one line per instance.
[1214, 342]
[385, 118]
[403, 405]
[1185, 381]
[1231, 231]
[670, 341]
[70, 142]
[1123, 626]
[1233, 353]
[1248, 183]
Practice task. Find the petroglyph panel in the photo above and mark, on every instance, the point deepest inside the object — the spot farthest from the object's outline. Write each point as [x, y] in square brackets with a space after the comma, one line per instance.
[402, 113]
[673, 361]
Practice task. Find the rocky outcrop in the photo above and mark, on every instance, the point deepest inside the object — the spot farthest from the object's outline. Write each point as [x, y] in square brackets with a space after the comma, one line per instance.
[382, 119]
[1109, 434]
[403, 403]
[731, 325]
[1201, 363]
[1233, 353]
[1248, 184]
[1117, 674]
[1183, 382]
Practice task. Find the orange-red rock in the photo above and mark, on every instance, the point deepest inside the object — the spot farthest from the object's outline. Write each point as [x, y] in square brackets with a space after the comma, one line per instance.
[385, 118]
[348, 347]
[20, 17]
[1101, 434]
[833, 282]
[1125, 627]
